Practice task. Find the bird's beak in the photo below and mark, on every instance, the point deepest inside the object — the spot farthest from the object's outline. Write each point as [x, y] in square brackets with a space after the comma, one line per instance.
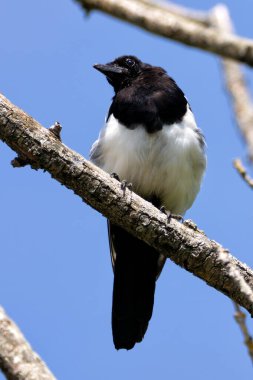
[110, 69]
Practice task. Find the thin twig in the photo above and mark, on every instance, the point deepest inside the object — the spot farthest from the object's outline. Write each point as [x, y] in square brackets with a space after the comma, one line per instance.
[242, 171]
[240, 318]
[167, 24]
[17, 359]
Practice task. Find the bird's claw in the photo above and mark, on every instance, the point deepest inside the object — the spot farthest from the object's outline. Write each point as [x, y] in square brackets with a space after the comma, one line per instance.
[170, 215]
[126, 185]
[123, 184]
[178, 217]
[115, 176]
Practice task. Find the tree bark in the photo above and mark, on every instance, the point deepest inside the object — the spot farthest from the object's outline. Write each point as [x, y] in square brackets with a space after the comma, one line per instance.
[182, 243]
[168, 24]
[17, 359]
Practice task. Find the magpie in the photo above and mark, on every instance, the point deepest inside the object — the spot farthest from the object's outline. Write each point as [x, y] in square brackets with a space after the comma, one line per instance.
[150, 139]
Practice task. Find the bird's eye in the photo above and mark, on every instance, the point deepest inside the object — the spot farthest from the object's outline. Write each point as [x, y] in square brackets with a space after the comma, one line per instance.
[130, 62]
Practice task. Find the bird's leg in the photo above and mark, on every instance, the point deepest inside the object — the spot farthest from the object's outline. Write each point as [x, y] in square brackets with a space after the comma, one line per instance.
[170, 215]
[167, 213]
[124, 184]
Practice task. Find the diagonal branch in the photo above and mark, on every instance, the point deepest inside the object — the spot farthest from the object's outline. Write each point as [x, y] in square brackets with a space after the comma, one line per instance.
[183, 243]
[17, 359]
[161, 21]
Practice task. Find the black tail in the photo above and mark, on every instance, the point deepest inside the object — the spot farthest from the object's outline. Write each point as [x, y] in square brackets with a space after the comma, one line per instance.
[135, 272]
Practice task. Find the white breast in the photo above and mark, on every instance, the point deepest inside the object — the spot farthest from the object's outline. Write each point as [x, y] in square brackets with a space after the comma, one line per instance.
[168, 163]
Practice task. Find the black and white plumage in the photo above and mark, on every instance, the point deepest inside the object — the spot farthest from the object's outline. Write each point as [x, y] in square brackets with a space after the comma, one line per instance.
[151, 140]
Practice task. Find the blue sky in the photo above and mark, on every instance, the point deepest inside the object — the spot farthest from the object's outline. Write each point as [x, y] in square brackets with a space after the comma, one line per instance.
[56, 277]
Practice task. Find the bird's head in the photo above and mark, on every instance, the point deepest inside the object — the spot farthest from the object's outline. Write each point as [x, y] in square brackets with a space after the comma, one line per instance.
[122, 71]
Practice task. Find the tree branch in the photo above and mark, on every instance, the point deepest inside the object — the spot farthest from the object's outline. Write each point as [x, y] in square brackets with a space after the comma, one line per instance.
[180, 11]
[17, 359]
[182, 243]
[243, 172]
[167, 24]
[240, 318]
[235, 81]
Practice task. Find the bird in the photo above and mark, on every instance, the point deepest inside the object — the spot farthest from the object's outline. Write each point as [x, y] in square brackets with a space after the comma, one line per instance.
[150, 139]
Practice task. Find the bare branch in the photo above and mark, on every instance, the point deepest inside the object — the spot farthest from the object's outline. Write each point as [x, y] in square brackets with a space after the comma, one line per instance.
[243, 173]
[183, 243]
[167, 24]
[17, 359]
[180, 11]
[235, 82]
[240, 318]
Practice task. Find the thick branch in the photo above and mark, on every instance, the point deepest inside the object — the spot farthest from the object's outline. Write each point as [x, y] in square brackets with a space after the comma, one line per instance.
[182, 243]
[167, 24]
[17, 359]
[235, 82]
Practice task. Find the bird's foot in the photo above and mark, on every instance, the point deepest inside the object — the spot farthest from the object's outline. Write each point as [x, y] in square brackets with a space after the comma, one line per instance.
[170, 215]
[167, 213]
[126, 185]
